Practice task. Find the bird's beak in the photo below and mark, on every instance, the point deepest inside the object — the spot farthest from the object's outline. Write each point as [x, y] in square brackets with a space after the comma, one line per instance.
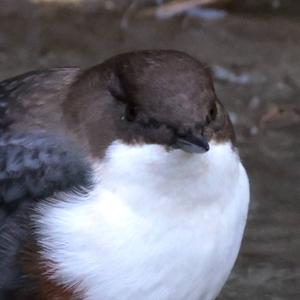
[192, 144]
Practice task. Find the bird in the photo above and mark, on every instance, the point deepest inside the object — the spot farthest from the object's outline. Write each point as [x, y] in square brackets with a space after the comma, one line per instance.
[120, 181]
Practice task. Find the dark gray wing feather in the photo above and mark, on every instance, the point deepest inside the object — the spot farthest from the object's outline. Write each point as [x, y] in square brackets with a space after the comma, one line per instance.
[34, 165]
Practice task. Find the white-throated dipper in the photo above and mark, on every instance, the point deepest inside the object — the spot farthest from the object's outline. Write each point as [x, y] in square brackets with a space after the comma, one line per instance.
[119, 182]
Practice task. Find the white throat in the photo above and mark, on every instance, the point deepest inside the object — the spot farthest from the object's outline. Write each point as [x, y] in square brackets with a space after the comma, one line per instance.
[157, 225]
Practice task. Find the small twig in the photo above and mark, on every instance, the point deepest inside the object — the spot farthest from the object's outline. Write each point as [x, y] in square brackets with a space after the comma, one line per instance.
[177, 7]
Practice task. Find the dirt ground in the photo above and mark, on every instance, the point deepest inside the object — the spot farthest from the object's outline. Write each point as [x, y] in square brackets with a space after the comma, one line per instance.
[255, 58]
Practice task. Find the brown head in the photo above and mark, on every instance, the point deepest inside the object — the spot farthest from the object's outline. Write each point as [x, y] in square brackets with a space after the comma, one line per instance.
[156, 97]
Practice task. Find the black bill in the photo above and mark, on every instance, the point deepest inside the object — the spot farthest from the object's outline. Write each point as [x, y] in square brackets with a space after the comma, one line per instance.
[192, 144]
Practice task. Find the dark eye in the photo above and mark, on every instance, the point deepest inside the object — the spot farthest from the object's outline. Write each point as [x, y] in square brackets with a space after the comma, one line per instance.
[211, 114]
[130, 113]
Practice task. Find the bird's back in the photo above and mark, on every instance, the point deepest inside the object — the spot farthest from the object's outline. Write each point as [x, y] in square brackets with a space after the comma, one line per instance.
[27, 99]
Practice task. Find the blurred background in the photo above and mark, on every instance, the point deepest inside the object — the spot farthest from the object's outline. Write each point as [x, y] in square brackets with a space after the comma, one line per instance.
[253, 50]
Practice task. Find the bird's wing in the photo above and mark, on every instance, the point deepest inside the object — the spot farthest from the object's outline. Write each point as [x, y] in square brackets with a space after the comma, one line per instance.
[32, 167]
[35, 165]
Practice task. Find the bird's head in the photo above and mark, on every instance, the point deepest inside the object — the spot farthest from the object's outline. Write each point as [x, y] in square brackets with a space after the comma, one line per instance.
[148, 97]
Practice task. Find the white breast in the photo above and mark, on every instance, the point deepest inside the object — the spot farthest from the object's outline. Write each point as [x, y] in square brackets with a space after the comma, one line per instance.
[158, 225]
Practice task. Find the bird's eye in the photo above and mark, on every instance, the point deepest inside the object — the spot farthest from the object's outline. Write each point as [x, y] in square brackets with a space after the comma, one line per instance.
[130, 113]
[212, 114]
